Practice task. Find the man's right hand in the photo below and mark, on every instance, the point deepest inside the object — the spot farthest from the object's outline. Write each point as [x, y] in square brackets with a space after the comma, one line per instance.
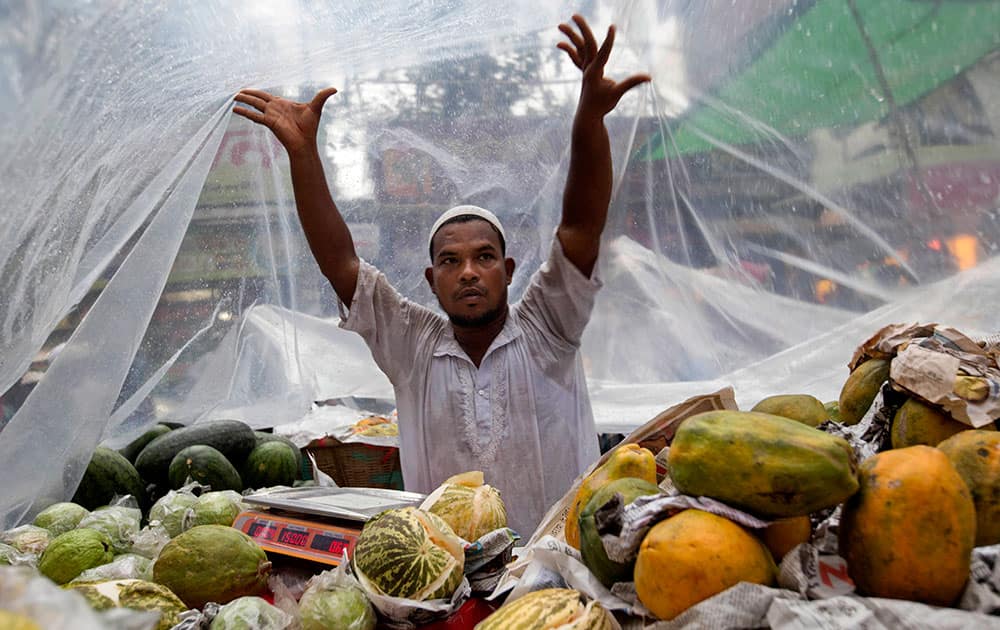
[294, 124]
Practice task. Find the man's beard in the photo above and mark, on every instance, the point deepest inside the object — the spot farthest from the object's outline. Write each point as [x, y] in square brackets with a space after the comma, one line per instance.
[477, 321]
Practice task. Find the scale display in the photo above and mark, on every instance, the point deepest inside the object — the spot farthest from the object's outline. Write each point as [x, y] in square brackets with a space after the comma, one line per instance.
[316, 524]
[318, 542]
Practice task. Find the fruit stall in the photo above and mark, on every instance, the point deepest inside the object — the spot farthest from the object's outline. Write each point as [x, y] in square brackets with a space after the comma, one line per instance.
[882, 502]
[792, 362]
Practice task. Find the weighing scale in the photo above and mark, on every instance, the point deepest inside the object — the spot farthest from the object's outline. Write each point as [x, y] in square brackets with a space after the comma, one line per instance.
[316, 524]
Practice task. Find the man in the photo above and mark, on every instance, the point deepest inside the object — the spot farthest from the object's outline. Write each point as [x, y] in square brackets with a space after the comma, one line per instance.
[491, 387]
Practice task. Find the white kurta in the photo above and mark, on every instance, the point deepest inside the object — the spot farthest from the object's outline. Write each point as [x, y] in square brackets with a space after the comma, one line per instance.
[522, 417]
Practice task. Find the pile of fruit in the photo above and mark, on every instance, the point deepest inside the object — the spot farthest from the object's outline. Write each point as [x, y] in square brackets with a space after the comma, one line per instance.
[144, 536]
[909, 516]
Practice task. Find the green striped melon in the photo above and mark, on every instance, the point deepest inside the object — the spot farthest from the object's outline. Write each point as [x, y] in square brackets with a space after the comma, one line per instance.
[409, 553]
[549, 609]
[471, 508]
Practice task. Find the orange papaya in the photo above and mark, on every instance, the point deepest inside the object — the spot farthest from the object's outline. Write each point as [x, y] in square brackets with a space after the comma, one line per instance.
[786, 534]
[975, 454]
[694, 555]
[916, 422]
[909, 531]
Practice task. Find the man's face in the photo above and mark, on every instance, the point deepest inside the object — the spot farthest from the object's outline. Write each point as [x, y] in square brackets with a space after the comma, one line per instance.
[469, 274]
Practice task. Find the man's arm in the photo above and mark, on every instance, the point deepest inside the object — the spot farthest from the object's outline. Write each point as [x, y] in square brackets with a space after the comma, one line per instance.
[588, 184]
[295, 125]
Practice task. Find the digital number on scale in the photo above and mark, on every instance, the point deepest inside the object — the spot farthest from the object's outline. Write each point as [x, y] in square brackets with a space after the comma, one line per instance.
[298, 538]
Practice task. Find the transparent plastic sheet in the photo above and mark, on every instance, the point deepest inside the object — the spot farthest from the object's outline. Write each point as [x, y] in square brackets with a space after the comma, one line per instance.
[766, 219]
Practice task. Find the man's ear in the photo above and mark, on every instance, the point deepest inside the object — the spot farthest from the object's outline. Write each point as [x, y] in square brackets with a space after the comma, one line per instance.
[429, 276]
[508, 264]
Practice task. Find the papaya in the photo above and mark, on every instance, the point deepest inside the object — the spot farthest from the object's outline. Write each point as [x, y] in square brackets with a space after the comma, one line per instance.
[975, 454]
[803, 408]
[694, 555]
[832, 409]
[916, 423]
[591, 548]
[860, 389]
[768, 465]
[786, 534]
[628, 460]
[909, 531]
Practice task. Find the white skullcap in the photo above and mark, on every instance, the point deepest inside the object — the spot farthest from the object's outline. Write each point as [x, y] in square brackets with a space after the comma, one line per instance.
[461, 211]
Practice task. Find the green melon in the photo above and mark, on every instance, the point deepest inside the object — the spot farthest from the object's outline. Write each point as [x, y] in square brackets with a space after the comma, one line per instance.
[345, 607]
[271, 464]
[217, 508]
[109, 475]
[171, 510]
[119, 523]
[205, 465]
[212, 563]
[73, 553]
[591, 547]
[253, 613]
[59, 518]
[550, 608]
[145, 595]
[409, 553]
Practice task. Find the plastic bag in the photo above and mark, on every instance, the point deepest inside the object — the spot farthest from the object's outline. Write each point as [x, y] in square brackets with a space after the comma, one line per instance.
[249, 612]
[173, 509]
[124, 567]
[119, 523]
[25, 592]
[27, 539]
[335, 599]
[214, 508]
[150, 540]
[9, 555]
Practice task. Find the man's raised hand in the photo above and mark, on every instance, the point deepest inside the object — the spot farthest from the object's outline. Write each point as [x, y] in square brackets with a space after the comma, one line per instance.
[294, 124]
[599, 94]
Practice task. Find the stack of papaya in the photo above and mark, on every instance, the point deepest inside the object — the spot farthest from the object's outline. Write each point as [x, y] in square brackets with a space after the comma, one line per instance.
[909, 515]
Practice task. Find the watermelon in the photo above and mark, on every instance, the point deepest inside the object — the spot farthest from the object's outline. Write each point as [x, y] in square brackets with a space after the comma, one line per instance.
[73, 553]
[263, 437]
[468, 505]
[409, 553]
[212, 563]
[591, 547]
[206, 466]
[271, 464]
[59, 518]
[133, 448]
[232, 438]
[550, 608]
[109, 475]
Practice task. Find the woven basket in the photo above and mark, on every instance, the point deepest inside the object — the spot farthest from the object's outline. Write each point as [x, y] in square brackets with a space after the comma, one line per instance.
[360, 465]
